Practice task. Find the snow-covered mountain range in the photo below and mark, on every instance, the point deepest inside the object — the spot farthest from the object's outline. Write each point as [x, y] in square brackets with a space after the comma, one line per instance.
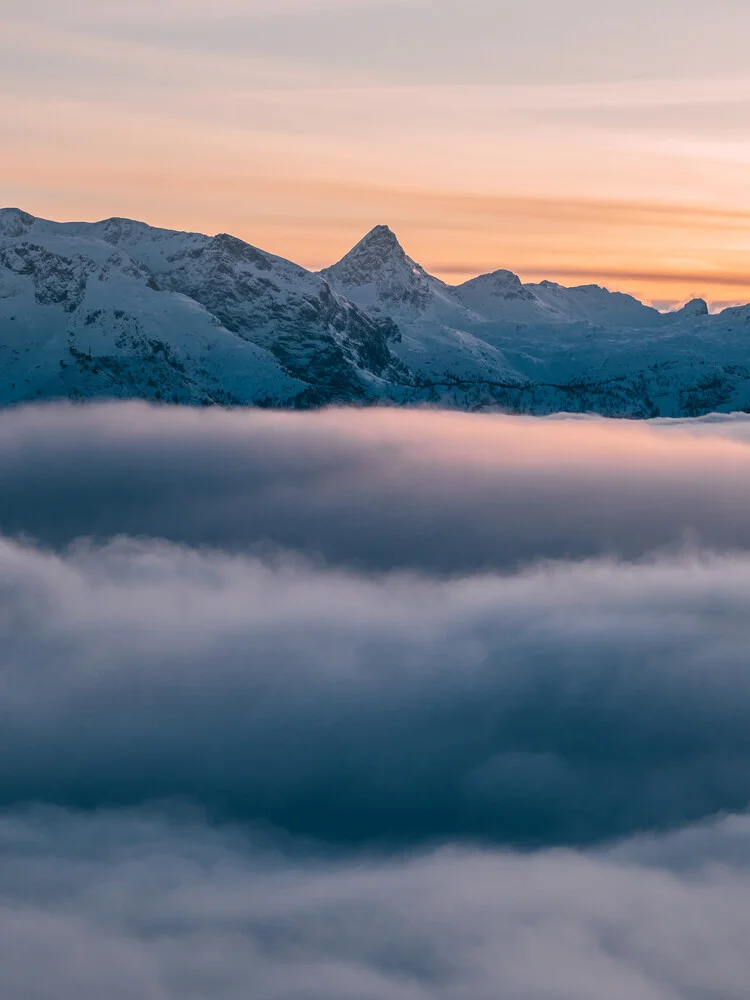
[121, 309]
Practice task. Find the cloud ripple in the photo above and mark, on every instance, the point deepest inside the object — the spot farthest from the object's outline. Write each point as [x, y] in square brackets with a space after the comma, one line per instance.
[140, 905]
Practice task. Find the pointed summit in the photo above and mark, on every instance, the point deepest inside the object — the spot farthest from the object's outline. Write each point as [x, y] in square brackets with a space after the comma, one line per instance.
[496, 285]
[380, 250]
[381, 236]
[378, 275]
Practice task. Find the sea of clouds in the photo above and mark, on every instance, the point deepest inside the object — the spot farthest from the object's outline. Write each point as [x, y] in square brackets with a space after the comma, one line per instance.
[373, 705]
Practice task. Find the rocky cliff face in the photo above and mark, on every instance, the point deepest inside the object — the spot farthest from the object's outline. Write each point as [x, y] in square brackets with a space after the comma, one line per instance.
[118, 308]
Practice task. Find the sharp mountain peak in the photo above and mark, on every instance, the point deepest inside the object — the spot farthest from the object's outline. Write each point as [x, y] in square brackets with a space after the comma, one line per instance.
[378, 247]
[381, 236]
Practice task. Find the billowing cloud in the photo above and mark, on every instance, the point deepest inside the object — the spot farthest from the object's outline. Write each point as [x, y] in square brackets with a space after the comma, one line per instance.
[138, 905]
[560, 705]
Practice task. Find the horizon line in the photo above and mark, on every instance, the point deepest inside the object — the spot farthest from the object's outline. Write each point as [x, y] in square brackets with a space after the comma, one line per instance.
[717, 279]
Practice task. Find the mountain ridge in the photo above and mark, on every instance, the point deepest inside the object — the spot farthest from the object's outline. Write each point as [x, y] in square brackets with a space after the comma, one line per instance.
[120, 309]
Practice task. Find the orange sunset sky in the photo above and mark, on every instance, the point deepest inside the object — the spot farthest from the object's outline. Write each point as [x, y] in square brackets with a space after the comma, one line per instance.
[580, 141]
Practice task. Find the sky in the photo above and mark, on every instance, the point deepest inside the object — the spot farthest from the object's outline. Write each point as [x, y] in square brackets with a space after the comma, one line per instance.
[580, 141]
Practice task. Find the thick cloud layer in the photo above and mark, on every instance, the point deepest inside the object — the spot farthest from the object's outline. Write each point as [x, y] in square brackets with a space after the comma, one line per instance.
[282, 737]
[130, 906]
[561, 705]
[441, 492]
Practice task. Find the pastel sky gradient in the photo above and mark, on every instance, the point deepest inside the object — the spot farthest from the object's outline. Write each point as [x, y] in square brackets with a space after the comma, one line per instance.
[572, 139]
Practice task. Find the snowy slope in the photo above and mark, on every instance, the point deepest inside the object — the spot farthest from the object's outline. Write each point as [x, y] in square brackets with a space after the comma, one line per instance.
[119, 308]
[593, 304]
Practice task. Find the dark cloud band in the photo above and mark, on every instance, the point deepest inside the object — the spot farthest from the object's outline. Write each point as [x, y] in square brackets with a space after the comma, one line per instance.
[439, 492]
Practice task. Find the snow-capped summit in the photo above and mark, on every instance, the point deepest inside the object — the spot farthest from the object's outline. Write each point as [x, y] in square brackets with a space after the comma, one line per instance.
[594, 304]
[500, 295]
[500, 284]
[378, 275]
[692, 309]
[377, 254]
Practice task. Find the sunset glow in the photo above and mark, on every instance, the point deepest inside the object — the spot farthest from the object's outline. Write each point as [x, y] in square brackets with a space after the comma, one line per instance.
[579, 149]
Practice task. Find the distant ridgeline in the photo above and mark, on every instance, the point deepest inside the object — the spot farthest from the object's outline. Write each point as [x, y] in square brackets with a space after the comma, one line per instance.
[118, 309]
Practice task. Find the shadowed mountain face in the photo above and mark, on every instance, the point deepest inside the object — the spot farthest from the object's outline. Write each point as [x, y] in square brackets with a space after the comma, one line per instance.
[120, 309]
